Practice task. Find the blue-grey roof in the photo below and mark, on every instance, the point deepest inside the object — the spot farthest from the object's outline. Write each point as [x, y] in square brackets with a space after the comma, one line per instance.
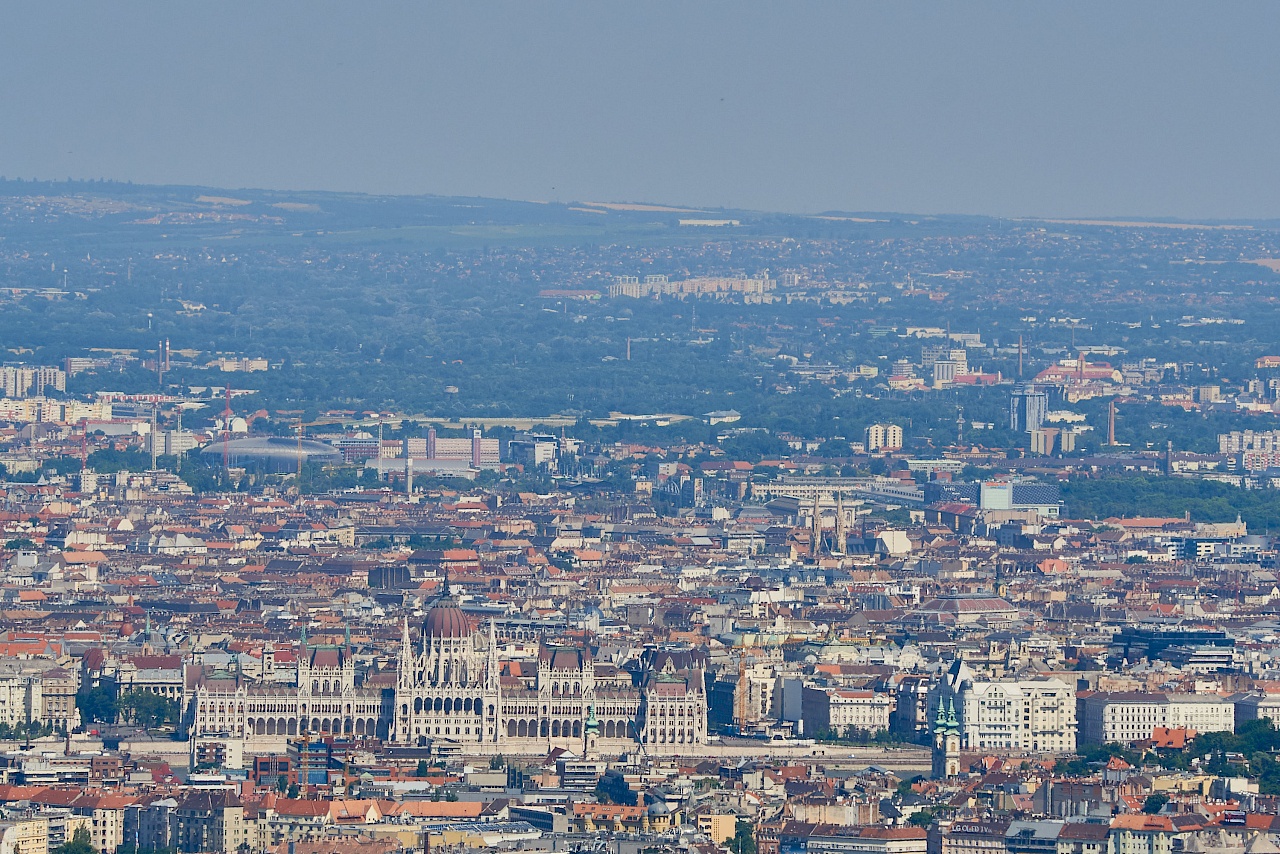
[273, 448]
[1036, 493]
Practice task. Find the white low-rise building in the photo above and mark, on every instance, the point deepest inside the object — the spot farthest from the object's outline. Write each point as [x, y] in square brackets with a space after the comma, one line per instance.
[1129, 716]
[1256, 706]
[843, 710]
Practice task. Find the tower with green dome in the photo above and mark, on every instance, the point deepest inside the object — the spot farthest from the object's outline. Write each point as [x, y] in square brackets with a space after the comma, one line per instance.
[946, 741]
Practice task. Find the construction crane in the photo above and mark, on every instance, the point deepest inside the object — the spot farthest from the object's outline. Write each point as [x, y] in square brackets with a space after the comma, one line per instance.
[740, 694]
[84, 443]
[742, 690]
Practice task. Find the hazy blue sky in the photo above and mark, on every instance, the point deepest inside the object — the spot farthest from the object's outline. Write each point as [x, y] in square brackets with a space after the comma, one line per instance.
[1020, 108]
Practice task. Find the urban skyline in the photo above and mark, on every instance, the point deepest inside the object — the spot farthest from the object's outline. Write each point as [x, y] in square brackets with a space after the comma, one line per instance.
[573, 428]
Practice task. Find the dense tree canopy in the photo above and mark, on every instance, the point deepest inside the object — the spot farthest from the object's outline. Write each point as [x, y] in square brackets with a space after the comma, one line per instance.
[1205, 500]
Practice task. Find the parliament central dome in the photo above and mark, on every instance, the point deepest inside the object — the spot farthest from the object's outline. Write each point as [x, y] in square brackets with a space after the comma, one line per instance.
[446, 620]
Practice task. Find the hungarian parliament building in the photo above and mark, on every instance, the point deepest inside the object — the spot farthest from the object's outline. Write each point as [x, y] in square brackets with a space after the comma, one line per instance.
[452, 688]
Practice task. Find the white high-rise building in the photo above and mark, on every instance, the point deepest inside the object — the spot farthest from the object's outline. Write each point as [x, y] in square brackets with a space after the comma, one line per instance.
[884, 437]
[1027, 408]
[18, 382]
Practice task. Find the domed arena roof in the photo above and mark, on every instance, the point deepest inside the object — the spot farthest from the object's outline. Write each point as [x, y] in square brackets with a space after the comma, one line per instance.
[446, 620]
[276, 453]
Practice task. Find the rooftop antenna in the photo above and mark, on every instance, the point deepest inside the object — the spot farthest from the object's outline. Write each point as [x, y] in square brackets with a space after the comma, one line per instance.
[1019, 357]
[299, 454]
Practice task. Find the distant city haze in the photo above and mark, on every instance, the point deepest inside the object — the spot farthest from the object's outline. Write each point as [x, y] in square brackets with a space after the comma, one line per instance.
[1015, 109]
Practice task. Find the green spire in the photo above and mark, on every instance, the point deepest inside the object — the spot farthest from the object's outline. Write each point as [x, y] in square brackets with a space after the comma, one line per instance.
[304, 637]
[952, 723]
[940, 723]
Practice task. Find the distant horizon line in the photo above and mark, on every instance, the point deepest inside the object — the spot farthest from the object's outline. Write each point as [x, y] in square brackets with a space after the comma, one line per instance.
[644, 206]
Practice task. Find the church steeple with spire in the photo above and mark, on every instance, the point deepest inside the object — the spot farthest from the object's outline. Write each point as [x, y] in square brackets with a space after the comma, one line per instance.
[946, 741]
[842, 536]
[815, 531]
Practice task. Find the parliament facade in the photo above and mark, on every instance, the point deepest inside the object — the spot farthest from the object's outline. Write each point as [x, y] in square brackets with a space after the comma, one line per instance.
[453, 687]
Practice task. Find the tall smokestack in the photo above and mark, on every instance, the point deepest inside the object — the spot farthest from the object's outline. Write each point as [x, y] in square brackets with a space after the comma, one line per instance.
[475, 447]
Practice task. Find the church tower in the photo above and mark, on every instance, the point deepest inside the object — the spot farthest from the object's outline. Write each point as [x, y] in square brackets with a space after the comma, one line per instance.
[591, 735]
[946, 742]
